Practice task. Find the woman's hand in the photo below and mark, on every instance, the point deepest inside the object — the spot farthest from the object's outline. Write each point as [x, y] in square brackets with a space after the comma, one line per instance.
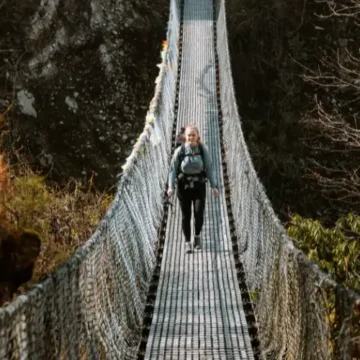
[215, 192]
[170, 193]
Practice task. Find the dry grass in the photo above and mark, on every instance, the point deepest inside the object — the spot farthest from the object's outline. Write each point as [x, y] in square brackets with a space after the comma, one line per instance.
[64, 217]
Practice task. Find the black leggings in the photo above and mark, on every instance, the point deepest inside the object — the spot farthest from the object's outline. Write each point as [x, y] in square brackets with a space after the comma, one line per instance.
[187, 197]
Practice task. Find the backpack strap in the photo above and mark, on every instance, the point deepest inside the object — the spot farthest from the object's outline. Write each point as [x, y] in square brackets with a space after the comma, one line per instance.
[203, 158]
[202, 153]
[181, 157]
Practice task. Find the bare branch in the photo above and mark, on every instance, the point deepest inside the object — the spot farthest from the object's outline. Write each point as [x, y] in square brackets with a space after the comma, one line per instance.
[341, 181]
[342, 72]
[341, 10]
[334, 127]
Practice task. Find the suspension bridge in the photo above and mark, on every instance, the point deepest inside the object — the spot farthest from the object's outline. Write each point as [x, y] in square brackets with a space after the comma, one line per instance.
[131, 292]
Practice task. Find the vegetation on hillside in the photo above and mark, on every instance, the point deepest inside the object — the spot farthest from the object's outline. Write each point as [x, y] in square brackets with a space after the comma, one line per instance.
[72, 102]
[296, 69]
[62, 218]
[336, 249]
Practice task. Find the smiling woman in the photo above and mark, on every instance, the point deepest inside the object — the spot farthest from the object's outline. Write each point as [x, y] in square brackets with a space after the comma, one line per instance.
[191, 167]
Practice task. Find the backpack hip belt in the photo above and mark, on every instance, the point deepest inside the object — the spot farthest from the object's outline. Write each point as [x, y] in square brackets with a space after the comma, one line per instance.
[191, 180]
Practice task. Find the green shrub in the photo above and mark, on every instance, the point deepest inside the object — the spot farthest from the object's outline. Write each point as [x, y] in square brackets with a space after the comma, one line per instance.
[64, 217]
[335, 249]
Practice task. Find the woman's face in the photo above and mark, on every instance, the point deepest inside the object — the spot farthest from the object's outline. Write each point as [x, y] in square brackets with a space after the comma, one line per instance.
[191, 136]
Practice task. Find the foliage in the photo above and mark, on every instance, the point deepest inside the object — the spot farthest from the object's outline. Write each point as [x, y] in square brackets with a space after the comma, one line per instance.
[296, 73]
[63, 217]
[336, 249]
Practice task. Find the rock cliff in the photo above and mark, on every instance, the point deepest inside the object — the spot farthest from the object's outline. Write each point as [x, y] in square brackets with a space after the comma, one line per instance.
[80, 76]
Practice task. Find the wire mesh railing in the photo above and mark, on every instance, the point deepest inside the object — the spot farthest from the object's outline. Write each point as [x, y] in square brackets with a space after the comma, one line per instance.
[92, 306]
[297, 307]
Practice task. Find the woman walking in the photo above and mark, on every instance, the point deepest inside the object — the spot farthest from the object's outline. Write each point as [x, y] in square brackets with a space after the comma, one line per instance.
[191, 167]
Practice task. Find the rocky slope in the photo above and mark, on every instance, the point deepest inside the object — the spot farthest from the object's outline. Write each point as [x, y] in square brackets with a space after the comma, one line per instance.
[80, 76]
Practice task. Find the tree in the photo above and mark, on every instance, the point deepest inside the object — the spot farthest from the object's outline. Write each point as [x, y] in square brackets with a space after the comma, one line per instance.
[332, 125]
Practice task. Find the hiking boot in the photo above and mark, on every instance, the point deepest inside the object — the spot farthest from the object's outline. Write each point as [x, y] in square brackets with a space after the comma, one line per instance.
[197, 242]
[188, 247]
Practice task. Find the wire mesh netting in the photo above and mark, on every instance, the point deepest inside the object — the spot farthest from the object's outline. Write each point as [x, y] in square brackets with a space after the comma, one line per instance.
[297, 306]
[92, 306]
